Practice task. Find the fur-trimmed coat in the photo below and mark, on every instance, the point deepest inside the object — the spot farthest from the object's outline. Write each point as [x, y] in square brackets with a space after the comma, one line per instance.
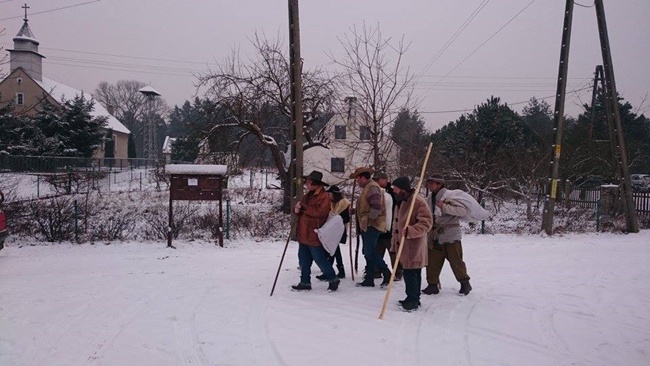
[414, 255]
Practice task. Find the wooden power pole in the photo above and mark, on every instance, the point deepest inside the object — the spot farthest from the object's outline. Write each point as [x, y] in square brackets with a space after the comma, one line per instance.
[613, 118]
[296, 164]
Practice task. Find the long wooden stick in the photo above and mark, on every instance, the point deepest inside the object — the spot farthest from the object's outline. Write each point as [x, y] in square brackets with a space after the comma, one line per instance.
[354, 187]
[286, 245]
[403, 236]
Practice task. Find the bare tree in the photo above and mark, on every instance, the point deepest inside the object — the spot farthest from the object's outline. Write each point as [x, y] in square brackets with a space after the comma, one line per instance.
[124, 101]
[3, 57]
[374, 74]
[256, 91]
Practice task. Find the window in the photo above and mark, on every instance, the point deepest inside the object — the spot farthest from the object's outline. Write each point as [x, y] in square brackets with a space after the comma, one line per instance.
[338, 165]
[20, 98]
[339, 132]
[364, 133]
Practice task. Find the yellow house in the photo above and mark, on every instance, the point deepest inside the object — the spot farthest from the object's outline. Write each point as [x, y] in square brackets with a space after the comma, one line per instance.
[27, 88]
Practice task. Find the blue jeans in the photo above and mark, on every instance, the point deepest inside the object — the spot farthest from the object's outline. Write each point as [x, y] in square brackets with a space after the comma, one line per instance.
[306, 256]
[374, 261]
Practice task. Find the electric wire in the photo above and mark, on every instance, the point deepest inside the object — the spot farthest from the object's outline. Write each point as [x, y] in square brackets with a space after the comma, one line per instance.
[51, 10]
[453, 38]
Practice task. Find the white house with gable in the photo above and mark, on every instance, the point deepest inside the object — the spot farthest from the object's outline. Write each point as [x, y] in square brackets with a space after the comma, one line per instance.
[349, 140]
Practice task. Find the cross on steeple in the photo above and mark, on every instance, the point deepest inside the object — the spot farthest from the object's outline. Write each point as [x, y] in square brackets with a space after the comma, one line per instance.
[25, 7]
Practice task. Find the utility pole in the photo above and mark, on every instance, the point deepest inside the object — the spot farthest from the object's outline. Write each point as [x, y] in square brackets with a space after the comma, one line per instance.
[558, 121]
[613, 119]
[614, 113]
[296, 164]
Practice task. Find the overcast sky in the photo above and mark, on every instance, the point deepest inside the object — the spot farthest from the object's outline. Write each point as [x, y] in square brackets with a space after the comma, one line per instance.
[163, 42]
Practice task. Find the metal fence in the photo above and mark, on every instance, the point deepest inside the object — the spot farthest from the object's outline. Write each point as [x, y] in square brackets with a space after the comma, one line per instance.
[590, 198]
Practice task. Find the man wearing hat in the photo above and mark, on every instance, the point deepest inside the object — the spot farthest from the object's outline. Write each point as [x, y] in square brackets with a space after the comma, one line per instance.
[414, 254]
[445, 238]
[384, 241]
[313, 210]
[371, 219]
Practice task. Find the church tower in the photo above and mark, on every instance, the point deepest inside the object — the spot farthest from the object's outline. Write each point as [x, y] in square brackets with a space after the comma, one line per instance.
[25, 52]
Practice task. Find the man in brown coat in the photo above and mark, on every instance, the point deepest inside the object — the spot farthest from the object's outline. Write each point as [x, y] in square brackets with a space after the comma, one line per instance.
[313, 210]
[414, 254]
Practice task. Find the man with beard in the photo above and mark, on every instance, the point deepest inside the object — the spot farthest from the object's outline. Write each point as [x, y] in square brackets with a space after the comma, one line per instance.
[414, 254]
[313, 210]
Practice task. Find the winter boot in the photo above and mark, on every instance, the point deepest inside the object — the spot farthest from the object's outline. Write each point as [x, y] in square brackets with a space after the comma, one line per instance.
[465, 288]
[333, 286]
[386, 273]
[301, 287]
[410, 305]
[368, 280]
[432, 289]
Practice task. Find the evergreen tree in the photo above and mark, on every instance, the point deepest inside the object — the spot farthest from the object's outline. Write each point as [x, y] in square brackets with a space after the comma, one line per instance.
[409, 134]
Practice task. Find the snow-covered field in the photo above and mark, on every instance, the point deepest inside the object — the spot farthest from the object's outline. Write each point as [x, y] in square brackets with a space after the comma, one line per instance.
[565, 300]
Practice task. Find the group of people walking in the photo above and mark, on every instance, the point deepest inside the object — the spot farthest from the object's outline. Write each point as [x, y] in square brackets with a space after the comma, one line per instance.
[431, 235]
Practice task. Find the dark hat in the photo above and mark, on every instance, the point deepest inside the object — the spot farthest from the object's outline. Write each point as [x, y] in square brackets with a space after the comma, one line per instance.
[316, 176]
[379, 175]
[333, 189]
[403, 183]
[360, 171]
[436, 178]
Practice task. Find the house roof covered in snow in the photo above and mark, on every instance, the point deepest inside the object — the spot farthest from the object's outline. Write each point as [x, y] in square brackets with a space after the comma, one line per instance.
[197, 169]
[60, 91]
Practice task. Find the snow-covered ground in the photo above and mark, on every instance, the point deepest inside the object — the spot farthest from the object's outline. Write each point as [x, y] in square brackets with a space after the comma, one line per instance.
[562, 300]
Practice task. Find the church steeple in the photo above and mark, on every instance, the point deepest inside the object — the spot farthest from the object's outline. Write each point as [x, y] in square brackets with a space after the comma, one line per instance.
[25, 52]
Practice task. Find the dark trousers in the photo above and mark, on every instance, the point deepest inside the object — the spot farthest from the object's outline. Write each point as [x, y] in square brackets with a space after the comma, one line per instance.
[383, 245]
[373, 261]
[452, 252]
[339, 259]
[413, 282]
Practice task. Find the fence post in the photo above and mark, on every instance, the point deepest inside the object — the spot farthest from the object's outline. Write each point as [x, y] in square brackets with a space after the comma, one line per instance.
[228, 219]
[38, 185]
[597, 216]
[76, 221]
[483, 221]
[251, 178]
[140, 180]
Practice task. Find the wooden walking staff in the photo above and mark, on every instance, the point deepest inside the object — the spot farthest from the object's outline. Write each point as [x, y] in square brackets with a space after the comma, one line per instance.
[292, 226]
[354, 187]
[402, 236]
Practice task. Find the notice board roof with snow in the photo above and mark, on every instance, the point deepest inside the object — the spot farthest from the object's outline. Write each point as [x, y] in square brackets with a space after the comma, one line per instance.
[196, 169]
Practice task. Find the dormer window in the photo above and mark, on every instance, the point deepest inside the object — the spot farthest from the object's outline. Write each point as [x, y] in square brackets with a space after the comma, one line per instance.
[20, 98]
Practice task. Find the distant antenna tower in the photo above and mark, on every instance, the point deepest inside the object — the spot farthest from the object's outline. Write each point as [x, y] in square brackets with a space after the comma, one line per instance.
[150, 146]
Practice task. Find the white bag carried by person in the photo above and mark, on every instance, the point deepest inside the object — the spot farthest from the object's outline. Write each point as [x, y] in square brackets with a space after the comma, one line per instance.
[475, 212]
[330, 233]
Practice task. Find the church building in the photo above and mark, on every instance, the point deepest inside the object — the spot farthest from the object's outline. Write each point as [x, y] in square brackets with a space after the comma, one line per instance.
[29, 88]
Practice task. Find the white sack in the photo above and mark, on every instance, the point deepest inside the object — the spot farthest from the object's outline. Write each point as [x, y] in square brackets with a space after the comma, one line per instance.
[475, 212]
[331, 232]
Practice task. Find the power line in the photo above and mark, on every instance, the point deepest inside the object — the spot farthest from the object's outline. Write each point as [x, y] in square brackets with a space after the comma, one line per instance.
[51, 10]
[487, 40]
[453, 38]
[510, 104]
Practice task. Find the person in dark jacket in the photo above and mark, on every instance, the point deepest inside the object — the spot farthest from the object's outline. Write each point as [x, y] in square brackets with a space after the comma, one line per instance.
[313, 210]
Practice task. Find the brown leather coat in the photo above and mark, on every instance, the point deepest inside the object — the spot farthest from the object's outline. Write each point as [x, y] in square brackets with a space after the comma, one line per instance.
[315, 210]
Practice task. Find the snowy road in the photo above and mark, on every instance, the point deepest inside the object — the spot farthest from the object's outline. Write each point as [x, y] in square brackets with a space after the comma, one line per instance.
[572, 300]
